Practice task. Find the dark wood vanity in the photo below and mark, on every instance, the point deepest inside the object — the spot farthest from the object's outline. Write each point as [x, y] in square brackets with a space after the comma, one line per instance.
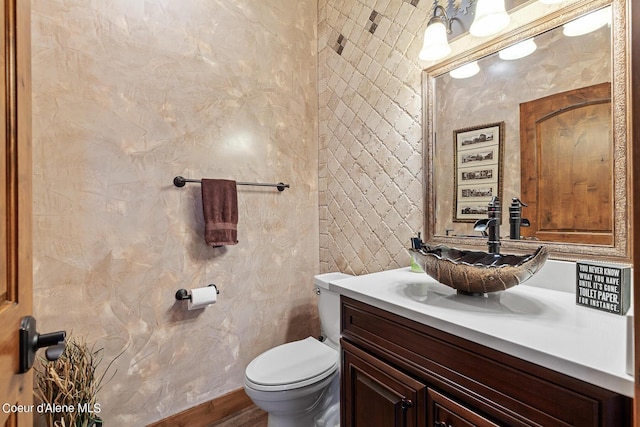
[398, 372]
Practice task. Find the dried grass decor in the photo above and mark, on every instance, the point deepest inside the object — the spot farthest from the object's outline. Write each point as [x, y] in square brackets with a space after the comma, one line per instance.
[67, 388]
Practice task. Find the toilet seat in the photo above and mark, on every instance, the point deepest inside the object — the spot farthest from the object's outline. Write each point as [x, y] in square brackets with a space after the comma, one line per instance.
[292, 365]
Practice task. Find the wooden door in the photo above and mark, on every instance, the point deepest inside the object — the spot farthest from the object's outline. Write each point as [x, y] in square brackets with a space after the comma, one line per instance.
[378, 395]
[15, 211]
[566, 148]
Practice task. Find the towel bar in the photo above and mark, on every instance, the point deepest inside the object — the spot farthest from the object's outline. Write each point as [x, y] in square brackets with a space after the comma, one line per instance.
[179, 181]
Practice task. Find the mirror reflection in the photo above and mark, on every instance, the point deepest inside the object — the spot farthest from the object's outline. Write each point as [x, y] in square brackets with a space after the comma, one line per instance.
[556, 154]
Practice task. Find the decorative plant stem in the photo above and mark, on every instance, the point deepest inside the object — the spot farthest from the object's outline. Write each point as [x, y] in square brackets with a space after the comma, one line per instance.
[68, 386]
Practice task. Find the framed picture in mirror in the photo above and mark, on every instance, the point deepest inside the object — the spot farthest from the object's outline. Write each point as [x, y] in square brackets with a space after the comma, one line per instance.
[478, 170]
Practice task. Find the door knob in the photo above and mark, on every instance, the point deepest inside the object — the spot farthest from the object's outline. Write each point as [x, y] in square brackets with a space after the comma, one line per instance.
[31, 341]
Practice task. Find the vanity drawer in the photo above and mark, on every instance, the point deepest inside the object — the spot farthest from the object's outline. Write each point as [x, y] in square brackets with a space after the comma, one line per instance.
[504, 388]
[444, 412]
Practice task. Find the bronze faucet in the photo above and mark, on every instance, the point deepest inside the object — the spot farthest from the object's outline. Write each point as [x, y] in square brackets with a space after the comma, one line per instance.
[515, 218]
[490, 226]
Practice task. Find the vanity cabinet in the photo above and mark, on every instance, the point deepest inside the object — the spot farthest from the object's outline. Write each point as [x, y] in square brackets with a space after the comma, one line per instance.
[379, 394]
[398, 372]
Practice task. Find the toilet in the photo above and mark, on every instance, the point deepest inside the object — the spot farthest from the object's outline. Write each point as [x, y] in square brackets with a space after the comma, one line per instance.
[298, 383]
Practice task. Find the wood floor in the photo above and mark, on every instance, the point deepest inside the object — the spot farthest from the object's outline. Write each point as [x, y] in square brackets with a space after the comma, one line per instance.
[250, 417]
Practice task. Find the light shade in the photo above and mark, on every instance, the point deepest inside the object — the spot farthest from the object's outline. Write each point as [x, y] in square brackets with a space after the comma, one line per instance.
[465, 71]
[491, 18]
[550, 1]
[588, 23]
[435, 46]
[518, 50]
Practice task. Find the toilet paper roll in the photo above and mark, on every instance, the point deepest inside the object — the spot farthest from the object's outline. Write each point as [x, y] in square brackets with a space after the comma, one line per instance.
[202, 297]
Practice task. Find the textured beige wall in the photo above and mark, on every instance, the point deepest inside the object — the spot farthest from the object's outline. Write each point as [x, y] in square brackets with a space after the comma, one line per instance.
[370, 132]
[128, 94]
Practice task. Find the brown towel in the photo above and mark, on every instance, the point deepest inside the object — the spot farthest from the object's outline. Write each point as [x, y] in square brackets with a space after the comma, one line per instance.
[220, 208]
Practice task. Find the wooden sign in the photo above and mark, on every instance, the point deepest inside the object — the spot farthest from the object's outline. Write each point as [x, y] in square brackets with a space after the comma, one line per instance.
[603, 287]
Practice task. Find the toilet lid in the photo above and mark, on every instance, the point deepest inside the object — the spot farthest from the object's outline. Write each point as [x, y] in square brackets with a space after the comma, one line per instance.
[297, 364]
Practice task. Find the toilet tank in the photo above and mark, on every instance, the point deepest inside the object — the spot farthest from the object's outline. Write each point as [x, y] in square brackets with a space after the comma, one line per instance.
[329, 307]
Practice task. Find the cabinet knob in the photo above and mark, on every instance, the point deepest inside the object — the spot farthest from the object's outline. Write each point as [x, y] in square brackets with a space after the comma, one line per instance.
[406, 404]
[441, 424]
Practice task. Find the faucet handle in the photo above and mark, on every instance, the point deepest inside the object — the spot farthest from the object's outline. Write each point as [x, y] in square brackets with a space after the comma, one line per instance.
[517, 202]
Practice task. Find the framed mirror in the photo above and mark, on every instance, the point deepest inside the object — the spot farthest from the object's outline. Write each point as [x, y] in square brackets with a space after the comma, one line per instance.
[593, 180]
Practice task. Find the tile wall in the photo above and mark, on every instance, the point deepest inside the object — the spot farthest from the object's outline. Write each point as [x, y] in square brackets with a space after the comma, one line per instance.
[370, 132]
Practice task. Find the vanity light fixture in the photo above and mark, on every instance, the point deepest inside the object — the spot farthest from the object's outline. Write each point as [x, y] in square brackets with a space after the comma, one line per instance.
[465, 71]
[518, 50]
[491, 18]
[435, 45]
[587, 23]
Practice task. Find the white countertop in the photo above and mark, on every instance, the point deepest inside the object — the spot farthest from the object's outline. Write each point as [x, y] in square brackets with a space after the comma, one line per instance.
[538, 325]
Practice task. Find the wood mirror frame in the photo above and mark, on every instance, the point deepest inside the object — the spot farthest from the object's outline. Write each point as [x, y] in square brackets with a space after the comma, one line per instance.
[620, 249]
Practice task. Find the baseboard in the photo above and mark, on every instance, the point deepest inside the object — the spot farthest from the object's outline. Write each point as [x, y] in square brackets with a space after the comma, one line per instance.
[209, 412]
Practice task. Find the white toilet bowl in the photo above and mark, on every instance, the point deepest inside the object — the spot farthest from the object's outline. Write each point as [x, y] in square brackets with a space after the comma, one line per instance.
[292, 381]
[298, 383]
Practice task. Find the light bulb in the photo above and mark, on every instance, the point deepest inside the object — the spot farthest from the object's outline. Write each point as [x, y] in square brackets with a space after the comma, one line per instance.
[587, 23]
[465, 71]
[518, 50]
[436, 46]
[491, 18]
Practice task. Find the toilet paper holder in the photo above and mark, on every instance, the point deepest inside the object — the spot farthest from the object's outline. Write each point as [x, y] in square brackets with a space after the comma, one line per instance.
[183, 294]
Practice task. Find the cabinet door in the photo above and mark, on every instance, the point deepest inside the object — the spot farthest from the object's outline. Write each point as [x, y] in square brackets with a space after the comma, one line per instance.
[444, 412]
[375, 394]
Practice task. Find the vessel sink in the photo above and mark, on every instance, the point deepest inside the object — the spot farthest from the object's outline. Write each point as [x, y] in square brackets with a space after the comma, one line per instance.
[477, 272]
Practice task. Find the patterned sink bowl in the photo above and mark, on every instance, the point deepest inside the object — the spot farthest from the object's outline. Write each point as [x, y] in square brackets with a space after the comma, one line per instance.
[476, 272]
